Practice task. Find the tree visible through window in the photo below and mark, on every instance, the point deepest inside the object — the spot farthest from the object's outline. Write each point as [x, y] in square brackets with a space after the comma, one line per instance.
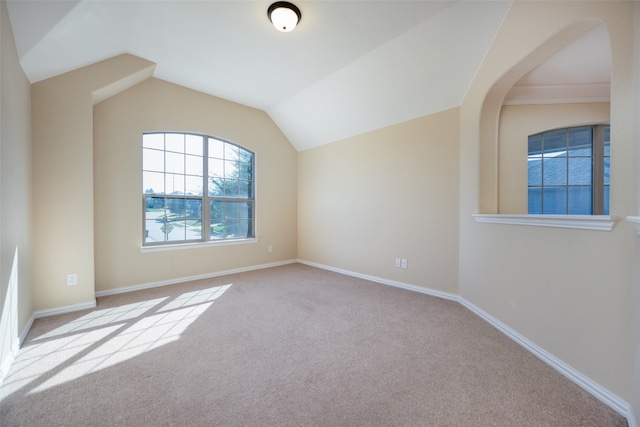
[196, 188]
[569, 171]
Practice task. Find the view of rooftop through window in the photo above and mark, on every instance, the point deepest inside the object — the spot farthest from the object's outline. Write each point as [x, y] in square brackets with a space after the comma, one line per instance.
[568, 171]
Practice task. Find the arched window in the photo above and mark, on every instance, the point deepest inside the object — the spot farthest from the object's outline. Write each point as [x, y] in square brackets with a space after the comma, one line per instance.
[196, 188]
[568, 171]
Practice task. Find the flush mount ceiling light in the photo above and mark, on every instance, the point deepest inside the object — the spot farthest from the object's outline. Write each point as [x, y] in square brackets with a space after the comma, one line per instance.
[284, 16]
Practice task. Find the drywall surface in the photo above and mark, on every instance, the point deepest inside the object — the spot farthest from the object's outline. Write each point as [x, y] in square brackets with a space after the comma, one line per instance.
[156, 105]
[517, 122]
[391, 193]
[565, 290]
[15, 195]
[62, 130]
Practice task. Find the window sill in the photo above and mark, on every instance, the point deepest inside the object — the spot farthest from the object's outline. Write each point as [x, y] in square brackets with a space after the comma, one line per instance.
[196, 245]
[582, 222]
[636, 221]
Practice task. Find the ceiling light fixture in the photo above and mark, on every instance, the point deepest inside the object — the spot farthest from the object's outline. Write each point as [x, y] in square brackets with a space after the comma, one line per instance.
[284, 16]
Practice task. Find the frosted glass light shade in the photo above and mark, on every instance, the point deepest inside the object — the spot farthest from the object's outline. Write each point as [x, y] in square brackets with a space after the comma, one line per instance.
[284, 16]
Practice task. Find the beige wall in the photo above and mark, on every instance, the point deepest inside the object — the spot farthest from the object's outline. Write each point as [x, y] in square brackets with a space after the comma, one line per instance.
[635, 250]
[15, 194]
[517, 122]
[405, 191]
[156, 105]
[386, 194]
[62, 127]
[565, 290]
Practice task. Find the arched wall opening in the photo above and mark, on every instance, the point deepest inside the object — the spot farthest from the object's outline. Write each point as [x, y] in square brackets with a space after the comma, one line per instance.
[501, 171]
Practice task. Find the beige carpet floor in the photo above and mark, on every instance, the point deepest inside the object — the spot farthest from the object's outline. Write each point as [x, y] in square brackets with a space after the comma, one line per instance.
[285, 346]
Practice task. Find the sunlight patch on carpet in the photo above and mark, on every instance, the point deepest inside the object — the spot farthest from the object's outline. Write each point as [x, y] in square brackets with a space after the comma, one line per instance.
[104, 338]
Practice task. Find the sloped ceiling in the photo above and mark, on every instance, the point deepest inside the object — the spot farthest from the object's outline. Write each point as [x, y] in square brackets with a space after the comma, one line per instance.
[348, 68]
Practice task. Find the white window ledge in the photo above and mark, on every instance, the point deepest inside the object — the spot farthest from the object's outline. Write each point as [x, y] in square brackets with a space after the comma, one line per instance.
[195, 245]
[583, 222]
[636, 221]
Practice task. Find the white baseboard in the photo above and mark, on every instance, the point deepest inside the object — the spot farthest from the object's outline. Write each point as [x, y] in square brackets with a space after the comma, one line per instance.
[188, 279]
[8, 360]
[601, 393]
[422, 290]
[39, 314]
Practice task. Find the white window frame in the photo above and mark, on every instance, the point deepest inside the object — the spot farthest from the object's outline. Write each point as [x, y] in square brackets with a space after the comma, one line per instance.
[581, 222]
[206, 198]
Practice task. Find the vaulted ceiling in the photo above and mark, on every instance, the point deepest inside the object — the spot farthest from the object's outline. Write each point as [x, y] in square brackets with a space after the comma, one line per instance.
[348, 68]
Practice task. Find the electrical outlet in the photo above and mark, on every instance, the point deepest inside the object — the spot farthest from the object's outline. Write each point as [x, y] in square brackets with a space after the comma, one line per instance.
[270, 248]
[72, 279]
[404, 263]
[397, 262]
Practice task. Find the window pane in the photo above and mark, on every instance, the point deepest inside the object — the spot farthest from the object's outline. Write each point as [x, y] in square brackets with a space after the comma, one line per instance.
[535, 200]
[153, 140]
[244, 228]
[175, 208]
[216, 214]
[580, 171]
[245, 171]
[580, 200]
[245, 189]
[246, 210]
[174, 142]
[535, 145]
[580, 141]
[554, 200]
[154, 212]
[152, 160]
[231, 219]
[216, 211]
[535, 171]
[231, 152]
[174, 183]
[216, 148]
[555, 143]
[193, 220]
[175, 162]
[216, 187]
[153, 182]
[231, 188]
[555, 171]
[174, 232]
[193, 185]
[216, 168]
[193, 165]
[194, 145]
[230, 170]
[606, 200]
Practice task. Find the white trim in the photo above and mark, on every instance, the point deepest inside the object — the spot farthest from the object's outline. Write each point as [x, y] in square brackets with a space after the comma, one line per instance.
[196, 245]
[420, 289]
[605, 396]
[39, 314]
[188, 279]
[582, 222]
[559, 94]
[636, 221]
[8, 360]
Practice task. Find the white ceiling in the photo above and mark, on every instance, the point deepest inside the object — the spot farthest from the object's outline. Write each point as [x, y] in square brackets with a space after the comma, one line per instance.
[348, 68]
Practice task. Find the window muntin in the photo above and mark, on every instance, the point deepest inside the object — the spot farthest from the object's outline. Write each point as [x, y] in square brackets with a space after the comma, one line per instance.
[568, 171]
[177, 168]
